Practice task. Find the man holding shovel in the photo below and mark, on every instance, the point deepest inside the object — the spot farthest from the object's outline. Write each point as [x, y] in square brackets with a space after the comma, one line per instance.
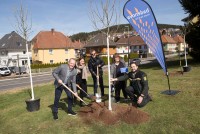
[65, 74]
[95, 65]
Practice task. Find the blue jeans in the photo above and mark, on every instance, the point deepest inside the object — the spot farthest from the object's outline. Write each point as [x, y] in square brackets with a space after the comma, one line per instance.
[58, 92]
[100, 83]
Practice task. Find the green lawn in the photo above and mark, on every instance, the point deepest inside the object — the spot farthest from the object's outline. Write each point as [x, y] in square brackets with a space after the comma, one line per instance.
[168, 114]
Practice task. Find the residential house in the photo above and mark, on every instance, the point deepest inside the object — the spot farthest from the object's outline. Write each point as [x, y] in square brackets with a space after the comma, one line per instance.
[79, 48]
[191, 20]
[132, 44]
[13, 50]
[52, 47]
[180, 42]
[169, 44]
[99, 43]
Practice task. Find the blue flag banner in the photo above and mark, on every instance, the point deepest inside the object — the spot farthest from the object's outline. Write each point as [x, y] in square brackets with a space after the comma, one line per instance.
[140, 15]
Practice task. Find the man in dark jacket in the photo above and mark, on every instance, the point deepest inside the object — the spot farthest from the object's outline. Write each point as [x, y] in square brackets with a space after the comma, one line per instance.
[66, 73]
[94, 63]
[138, 89]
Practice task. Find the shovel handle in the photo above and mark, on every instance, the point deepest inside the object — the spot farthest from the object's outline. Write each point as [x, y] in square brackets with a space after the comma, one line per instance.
[74, 93]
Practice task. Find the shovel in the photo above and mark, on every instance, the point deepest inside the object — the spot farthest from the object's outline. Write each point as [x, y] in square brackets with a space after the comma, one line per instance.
[112, 93]
[74, 94]
[89, 96]
[98, 95]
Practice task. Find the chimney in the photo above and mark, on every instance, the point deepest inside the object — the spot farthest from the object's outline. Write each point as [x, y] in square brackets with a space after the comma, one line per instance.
[52, 30]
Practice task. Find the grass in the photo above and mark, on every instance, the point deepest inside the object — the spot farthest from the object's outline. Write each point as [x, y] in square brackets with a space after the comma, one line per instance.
[168, 114]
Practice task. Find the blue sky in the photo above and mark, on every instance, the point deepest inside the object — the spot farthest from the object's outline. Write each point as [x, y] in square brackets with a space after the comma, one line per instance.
[71, 16]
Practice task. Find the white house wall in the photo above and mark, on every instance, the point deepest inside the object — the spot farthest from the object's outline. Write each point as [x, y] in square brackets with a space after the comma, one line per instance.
[122, 49]
[11, 59]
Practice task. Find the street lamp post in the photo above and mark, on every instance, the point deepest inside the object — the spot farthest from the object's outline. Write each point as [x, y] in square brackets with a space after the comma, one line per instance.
[128, 44]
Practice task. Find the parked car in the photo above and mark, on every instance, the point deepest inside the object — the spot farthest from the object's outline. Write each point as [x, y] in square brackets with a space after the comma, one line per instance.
[4, 71]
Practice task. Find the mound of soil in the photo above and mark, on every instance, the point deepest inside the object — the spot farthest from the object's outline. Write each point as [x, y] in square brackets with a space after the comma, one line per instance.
[177, 73]
[120, 112]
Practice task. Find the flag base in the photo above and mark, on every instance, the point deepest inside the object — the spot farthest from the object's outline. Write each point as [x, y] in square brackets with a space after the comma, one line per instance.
[170, 92]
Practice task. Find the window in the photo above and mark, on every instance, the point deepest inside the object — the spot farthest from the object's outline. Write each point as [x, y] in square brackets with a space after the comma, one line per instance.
[66, 60]
[19, 44]
[50, 51]
[4, 62]
[2, 53]
[51, 61]
[66, 51]
[35, 51]
[24, 62]
[24, 52]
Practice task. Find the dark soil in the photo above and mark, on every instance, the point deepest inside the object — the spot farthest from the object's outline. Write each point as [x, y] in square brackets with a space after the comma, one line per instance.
[177, 73]
[120, 112]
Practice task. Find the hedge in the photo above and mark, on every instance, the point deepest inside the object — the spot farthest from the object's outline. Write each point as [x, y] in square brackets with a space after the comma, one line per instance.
[48, 65]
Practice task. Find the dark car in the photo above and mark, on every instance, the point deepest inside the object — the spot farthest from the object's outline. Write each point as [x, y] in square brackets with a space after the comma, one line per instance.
[12, 69]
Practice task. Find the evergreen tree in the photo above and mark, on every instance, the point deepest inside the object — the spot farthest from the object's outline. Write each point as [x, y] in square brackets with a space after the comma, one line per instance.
[192, 7]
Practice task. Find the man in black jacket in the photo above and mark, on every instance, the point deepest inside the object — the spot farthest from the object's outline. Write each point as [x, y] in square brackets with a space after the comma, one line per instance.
[93, 63]
[138, 89]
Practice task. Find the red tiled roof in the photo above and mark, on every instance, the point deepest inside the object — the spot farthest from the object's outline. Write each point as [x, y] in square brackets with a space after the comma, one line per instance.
[77, 45]
[99, 40]
[51, 39]
[133, 40]
[178, 39]
[167, 39]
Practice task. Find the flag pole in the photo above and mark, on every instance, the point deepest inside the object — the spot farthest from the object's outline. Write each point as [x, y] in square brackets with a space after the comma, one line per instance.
[168, 92]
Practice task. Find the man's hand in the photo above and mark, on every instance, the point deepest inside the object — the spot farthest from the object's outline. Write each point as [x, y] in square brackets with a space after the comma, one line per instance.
[113, 79]
[140, 99]
[76, 94]
[60, 81]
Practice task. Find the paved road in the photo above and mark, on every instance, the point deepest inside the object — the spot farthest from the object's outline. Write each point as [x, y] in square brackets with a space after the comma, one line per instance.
[16, 83]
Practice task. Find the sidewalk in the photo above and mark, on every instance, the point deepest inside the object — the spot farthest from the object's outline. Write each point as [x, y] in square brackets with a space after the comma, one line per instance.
[22, 75]
[143, 61]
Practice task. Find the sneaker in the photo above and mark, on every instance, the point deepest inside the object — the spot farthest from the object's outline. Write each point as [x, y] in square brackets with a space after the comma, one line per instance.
[150, 98]
[71, 113]
[125, 100]
[134, 104]
[55, 115]
[117, 101]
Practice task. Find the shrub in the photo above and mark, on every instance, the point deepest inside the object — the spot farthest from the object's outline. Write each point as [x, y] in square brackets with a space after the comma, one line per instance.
[133, 55]
[126, 58]
[46, 65]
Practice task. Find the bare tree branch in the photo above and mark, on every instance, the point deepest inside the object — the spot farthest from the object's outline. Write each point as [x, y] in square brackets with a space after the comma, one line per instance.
[23, 26]
[103, 14]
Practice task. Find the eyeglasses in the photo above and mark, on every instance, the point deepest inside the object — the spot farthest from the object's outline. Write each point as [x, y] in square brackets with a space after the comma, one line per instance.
[93, 54]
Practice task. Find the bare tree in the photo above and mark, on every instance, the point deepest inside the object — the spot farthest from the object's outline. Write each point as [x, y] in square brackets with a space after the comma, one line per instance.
[104, 14]
[23, 24]
[23, 27]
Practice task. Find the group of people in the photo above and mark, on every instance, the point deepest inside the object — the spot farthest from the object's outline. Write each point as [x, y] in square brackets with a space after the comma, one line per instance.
[74, 74]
